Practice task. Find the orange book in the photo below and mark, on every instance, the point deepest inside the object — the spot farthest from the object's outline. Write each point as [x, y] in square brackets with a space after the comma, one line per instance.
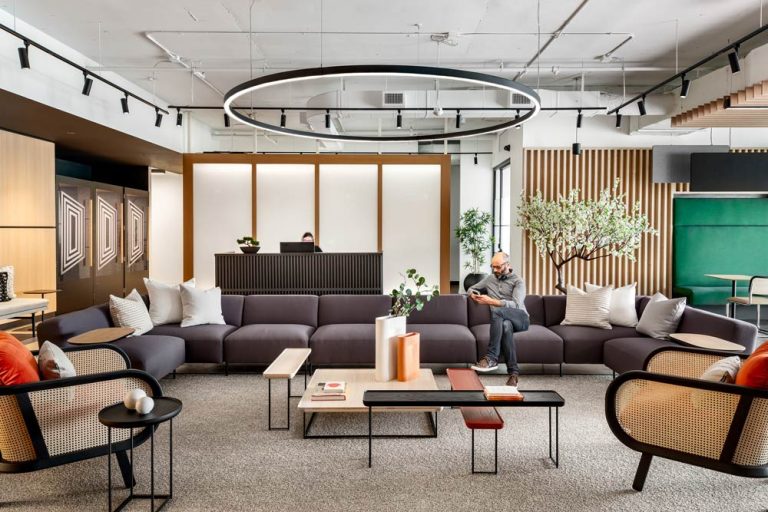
[408, 356]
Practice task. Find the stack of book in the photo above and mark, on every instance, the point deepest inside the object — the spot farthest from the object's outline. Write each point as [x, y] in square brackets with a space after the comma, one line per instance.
[329, 391]
[503, 393]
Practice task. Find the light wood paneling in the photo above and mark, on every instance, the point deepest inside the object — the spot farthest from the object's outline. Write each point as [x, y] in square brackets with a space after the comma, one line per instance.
[32, 252]
[740, 114]
[27, 187]
[555, 172]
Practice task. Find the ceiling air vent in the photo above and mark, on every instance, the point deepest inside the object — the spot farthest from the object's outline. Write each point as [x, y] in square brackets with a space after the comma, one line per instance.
[393, 99]
[519, 99]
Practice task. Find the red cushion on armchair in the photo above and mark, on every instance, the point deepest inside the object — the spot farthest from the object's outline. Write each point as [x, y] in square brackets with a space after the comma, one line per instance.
[754, 371]
[17, 364]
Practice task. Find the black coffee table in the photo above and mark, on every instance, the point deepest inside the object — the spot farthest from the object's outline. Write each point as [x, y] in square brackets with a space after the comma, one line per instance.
[404, 399]
[119, 416]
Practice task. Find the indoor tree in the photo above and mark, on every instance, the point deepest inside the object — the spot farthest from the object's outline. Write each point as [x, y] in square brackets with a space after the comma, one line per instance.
[570, 227]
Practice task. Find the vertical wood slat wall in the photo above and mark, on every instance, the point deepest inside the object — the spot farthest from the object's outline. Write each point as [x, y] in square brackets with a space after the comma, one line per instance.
[555, 172]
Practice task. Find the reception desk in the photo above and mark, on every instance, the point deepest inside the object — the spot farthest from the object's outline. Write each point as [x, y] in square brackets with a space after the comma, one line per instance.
[312, 273]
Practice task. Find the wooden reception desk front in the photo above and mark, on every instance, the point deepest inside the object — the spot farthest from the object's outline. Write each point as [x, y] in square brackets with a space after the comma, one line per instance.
[299, 273]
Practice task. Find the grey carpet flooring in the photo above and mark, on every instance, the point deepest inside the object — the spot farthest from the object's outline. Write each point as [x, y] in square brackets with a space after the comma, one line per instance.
[225, 459]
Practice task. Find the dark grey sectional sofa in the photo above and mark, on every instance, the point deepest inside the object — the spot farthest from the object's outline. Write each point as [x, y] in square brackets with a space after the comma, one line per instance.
[340, 331]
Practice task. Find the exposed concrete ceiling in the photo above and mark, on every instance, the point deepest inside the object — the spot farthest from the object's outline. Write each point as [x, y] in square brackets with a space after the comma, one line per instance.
[495, 36]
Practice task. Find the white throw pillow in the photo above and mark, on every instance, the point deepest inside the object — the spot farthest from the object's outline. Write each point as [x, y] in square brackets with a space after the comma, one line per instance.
[165, 301]
[623, 310]
[53, 363]
[130, 312]
[661, 316]
[591, 309]
[9, 270]
[200, 307]
[722, 370]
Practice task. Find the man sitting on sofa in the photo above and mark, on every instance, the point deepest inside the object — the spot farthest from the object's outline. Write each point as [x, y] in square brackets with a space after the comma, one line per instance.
[505, 294]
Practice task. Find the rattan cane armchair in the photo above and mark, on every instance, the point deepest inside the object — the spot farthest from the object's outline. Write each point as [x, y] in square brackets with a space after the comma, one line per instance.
[667, 411]
[55, 422]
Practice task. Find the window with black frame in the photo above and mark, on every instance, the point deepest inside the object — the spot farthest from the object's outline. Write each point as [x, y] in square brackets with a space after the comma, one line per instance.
[501, 207]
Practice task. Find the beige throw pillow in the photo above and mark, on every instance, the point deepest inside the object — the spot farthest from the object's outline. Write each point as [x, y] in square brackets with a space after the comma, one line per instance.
[130, 312]
[623, 310]
[590, 309]
[53, 363]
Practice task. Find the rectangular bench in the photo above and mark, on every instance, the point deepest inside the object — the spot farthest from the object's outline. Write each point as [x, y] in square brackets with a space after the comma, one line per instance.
[481, 418]
[286, 366]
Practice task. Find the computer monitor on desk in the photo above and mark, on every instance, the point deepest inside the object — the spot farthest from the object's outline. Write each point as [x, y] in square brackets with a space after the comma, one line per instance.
[297, 247]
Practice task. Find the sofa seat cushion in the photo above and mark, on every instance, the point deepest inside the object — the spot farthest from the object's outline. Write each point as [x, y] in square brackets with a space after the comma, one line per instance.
[155, 354]
[205, 343]
[585, 344]
[446, 343]
[262, 343]
[627, 354]
[536, 345]
[343, 343]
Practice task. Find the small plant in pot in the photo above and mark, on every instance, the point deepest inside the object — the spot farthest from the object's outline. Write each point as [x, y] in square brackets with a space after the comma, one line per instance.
[405, 300]
[473, 233]
[248, 245]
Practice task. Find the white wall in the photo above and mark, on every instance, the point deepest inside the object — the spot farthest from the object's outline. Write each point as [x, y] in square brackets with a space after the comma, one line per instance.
[476, 187]
[348, 208]
[411, 222]
[285, 203]
[222, 214]
[166, 227]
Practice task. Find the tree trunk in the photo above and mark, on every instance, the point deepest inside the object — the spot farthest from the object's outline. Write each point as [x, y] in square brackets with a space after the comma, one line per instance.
[560, 284]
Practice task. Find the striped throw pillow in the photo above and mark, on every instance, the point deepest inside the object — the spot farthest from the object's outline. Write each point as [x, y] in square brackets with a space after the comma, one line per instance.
[130, 312]
[591, 309]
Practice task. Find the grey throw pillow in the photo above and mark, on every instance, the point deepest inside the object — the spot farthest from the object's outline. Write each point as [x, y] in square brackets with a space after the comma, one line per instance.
[661, 316]
[53, 363]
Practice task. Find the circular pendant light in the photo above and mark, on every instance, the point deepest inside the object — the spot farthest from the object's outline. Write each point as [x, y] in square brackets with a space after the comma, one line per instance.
[475, 81]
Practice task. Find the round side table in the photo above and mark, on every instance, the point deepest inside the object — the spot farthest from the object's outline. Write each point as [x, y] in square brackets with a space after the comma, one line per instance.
[119, 416]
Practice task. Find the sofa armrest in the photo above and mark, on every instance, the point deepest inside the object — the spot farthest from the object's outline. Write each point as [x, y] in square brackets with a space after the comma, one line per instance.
[709, 424]
[686, 362]
[47, 423]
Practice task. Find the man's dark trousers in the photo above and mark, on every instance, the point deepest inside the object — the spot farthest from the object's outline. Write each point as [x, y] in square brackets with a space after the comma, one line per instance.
[505, 322]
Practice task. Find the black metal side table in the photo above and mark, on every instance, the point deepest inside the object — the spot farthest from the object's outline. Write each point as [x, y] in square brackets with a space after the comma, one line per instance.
[119, 416]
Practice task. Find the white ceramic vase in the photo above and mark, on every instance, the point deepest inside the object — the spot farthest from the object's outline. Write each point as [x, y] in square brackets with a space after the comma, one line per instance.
[388, 328]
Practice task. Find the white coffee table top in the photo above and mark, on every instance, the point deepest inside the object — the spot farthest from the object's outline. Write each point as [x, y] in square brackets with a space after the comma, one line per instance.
[358, 382]
[705, 341]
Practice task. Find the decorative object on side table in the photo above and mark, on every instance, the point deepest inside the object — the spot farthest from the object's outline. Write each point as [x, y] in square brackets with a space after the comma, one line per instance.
[119, 416]
[248, 245]
[408, 356]
[4, 296]
[476, 242]
[587, 229]
[389, 327]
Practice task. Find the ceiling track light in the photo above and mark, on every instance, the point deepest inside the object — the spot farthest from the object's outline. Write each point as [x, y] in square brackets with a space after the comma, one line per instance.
[328, 119]
[733, 60]
[576, 149]
[517, 118]
[87, 84]
[475, 158]
[226, 120]
[400, 121]
[124, 103]
[158, 118]
[641, 106]
[24, 55]
[458, 119]
[282, 118]
[727, 102]
[685, 87]
[179, 117]
[579, 119]
[618, 120]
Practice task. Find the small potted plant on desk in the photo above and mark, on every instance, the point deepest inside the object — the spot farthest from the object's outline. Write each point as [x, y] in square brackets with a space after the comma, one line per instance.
[248, 245]
[388, 328]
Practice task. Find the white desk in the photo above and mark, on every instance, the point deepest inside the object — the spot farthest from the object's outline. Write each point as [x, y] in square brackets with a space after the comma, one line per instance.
[19, 308]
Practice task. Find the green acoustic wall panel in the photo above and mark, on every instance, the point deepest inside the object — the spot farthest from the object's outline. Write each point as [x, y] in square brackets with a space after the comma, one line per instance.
[717, 236]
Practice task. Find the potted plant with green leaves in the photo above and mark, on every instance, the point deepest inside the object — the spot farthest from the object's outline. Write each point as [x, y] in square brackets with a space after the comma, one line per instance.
[411, 295]
[474, 235]
[249, 245]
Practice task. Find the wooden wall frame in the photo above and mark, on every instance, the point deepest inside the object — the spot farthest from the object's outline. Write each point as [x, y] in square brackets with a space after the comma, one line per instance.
[444, 161]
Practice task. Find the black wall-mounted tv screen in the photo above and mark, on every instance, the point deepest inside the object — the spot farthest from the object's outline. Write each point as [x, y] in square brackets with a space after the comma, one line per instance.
[729, 172]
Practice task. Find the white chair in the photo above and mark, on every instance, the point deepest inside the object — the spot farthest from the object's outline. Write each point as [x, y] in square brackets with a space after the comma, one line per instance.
[758, 295]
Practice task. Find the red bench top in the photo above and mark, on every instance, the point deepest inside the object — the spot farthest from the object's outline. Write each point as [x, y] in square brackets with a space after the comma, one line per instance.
[465, 379]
